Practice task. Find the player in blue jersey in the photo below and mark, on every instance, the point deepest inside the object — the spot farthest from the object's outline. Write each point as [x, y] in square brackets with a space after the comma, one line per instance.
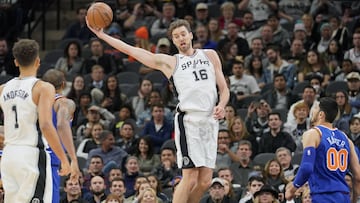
[327, 156]
[63, 110]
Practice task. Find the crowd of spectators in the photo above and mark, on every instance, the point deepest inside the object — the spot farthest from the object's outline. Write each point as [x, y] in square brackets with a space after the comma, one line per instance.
[278, 56]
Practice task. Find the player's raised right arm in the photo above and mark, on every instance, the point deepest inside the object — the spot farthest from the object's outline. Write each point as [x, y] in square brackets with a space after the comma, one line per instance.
[164, 63]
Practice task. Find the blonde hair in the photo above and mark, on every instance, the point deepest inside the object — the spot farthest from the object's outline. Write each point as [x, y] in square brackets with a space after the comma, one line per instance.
[152, 191]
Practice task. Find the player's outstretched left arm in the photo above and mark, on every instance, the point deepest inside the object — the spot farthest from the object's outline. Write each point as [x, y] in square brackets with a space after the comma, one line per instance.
[219, 110]
[65, 109]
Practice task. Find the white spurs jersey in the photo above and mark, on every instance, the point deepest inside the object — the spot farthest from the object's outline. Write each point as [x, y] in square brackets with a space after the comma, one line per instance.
[195, 82]
[20, 112]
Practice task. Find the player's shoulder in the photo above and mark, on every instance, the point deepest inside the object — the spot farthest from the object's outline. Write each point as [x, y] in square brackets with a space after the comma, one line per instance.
[209, 51]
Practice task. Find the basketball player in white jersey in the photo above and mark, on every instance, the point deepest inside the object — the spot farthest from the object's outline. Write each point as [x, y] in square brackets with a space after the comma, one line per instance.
[27, 102]
[195, 74]
[63, 111]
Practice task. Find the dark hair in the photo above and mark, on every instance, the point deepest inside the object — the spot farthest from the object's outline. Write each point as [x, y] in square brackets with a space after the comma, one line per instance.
[54, 77]
[158, 187]
[329, 106]
[274, 113]
[309, 87]
[353, 119]
[247, 11]
[117, 101]
[104, 134]
[251, 67]
[148, 141]
[277, 75]
[97, 157]
[66, 50]
[117, 179]
[67, 178]
[26, 51]
[273, 47]
[257, 178]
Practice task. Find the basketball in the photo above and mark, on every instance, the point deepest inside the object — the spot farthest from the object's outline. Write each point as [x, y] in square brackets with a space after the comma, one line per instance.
[99, 15]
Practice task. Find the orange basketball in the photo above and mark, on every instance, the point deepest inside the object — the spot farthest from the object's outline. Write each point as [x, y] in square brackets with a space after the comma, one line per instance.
[99, 15]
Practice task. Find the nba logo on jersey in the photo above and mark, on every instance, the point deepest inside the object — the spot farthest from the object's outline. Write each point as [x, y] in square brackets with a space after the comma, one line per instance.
[308, 152]
[35, 200]
[186, 161]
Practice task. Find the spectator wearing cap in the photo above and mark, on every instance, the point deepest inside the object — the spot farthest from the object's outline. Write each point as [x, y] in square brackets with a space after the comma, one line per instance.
[325, 38]
[142, 41]
[94, 115]
[163, 46]
[113, 156]
[300, 33]
[354, 53]
[202, 37]
[353, 82]
[160, 25]
[217, 193]
[201, 14]
[267, 194]
[280, 35]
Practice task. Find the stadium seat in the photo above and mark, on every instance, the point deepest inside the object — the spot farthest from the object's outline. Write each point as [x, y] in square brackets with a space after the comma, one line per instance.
[157, 78]
[5, 78]
[52, 56]
[335, 86]
[133, 67]
[128, 78]
[296, 158]
[299, 88]
[263, 158]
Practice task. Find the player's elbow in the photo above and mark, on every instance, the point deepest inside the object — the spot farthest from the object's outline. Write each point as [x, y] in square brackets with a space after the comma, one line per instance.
[46, 126]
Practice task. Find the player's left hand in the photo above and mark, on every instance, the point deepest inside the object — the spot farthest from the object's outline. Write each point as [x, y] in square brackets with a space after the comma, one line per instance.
[289, 191]
[74, 171]
[219, 112]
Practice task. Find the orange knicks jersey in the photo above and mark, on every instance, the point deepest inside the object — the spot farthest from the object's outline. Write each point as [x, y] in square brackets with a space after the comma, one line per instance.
[332, 161]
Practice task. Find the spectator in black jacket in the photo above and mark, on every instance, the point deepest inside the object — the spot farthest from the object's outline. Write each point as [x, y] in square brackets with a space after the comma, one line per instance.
[280, 96]
[168, 169]
[276, 138]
